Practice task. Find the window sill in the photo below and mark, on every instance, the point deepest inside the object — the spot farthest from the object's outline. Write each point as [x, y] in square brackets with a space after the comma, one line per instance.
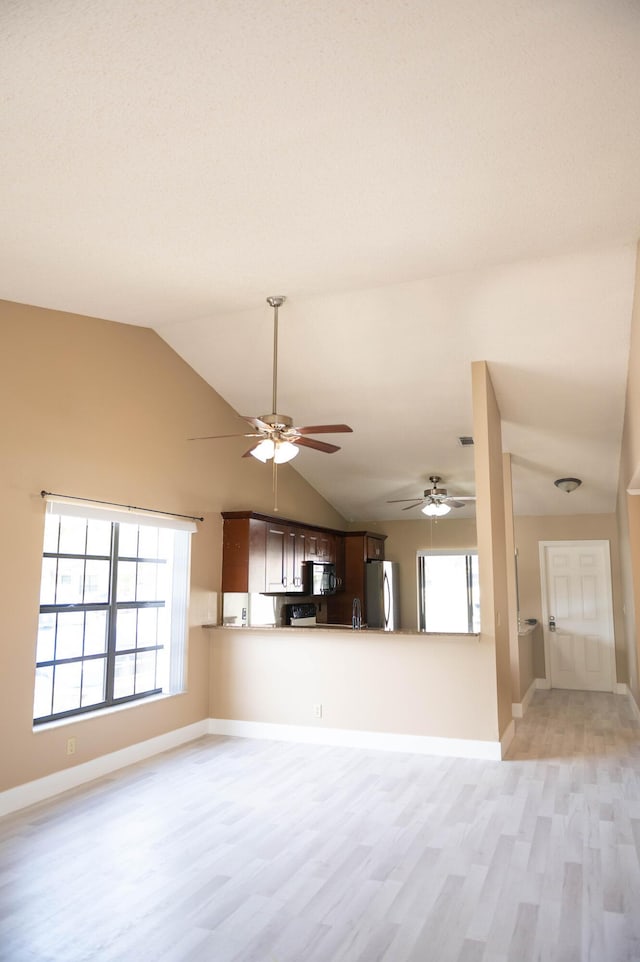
[103, 712]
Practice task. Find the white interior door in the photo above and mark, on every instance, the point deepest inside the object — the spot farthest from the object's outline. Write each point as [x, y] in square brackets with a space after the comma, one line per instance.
[578, 614]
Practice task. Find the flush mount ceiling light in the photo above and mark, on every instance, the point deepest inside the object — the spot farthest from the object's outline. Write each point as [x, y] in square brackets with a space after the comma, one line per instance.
[568, 484]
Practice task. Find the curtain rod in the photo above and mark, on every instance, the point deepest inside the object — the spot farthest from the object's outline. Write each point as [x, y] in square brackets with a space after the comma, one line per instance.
[115, 504]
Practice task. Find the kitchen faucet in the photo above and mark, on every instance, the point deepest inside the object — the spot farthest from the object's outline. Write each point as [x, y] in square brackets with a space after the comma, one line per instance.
[356, 614]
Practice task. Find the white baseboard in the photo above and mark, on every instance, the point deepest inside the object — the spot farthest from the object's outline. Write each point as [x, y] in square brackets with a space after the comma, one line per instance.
[543, 684]
[518, 709]
[42, 788]
[621, 688]
[14, 799]
[351, 738]
[507, 738]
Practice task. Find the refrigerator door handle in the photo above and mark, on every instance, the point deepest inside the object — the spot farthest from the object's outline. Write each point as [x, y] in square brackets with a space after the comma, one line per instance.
[386, 599]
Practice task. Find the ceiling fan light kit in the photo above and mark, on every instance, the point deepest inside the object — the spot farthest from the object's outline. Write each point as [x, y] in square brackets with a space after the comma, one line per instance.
[568, 484]
[435, 510]
[285, 451]
[264, 450]
[280, 451]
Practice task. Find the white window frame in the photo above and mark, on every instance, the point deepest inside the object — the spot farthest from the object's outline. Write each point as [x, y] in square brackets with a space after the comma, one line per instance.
[422, 602]
[171, 650]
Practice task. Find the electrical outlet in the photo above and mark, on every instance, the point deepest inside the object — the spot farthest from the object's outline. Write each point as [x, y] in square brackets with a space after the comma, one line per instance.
[71, 746]
[317, 711]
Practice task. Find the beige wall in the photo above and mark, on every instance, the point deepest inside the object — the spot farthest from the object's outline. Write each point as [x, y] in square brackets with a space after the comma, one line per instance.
[520, 680]
[628, 574]
[628, 507]
[526, 669]
[490, 524]
[368, 681]
[630, 464]
[103, 410]
[633, 639]
[406, 538]
[529, 531]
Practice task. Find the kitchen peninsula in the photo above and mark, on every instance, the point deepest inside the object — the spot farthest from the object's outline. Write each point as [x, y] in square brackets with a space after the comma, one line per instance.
[331, 684]
[403, 690]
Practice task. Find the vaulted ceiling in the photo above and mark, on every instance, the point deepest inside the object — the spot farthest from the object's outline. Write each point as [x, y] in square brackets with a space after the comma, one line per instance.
[430, 183]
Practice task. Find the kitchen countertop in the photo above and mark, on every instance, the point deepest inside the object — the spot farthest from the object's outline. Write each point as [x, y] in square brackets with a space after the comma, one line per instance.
[333, 628]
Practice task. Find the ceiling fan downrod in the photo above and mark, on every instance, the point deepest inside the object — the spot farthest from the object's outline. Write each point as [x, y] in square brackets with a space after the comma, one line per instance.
[275, 301]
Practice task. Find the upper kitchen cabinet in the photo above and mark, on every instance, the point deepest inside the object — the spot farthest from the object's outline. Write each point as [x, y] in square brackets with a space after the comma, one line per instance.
[374, 547]
[243, 554]
[268, 555]
[320, 546]
[285, 554]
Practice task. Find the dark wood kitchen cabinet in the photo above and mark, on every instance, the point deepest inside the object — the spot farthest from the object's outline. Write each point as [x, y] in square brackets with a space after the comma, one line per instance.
[268, 555]
[359, 548]
[320, 546]
[374, 547]
[243, 554]
[285, 547]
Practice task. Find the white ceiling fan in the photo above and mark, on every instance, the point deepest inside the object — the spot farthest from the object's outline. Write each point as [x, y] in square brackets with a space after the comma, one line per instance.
[435, 502]
[276, 435]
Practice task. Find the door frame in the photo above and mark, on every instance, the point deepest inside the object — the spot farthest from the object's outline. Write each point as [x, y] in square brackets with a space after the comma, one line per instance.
[605, 546]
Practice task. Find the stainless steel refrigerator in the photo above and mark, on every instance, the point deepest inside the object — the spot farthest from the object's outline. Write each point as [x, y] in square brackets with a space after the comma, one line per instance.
[382, 606]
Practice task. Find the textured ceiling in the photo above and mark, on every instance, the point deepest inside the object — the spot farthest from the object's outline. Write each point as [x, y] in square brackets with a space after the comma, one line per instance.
[430, 183]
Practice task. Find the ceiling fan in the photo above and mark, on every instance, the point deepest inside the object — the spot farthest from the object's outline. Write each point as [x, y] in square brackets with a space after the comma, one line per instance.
[436, 502]
[276, 435]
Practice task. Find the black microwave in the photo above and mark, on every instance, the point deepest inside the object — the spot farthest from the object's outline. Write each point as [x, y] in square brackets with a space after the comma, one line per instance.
[321, 578]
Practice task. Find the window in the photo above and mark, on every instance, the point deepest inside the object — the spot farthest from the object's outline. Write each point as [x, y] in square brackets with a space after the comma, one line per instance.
[448, 593]
[113, 604]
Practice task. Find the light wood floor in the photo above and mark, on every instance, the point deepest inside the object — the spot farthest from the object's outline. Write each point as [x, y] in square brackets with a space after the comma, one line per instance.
[232, 850]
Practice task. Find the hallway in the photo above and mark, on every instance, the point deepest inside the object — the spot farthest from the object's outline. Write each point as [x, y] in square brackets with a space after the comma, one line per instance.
[236, 850]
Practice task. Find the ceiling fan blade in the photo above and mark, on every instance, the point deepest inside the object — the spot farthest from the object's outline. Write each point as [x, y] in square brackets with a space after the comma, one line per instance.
[215, 437]
[317, 445]
[324, 429]
[256, 423]
[402, 500]
[410, 506]
[453, 503]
